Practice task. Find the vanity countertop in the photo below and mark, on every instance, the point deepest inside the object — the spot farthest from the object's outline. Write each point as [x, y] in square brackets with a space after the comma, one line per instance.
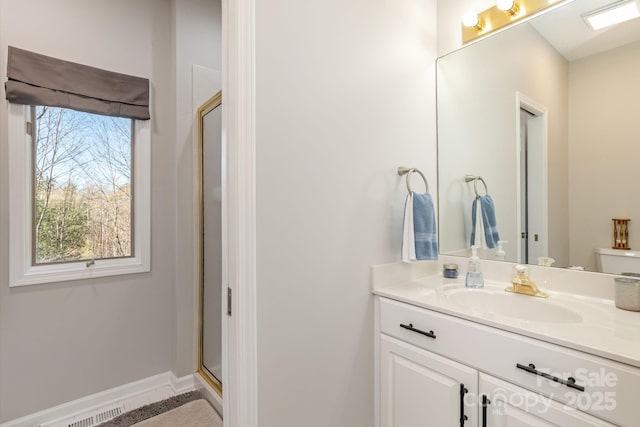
[585, 323]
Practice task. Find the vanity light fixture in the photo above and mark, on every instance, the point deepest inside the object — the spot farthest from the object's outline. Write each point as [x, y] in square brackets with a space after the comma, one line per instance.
[613, 14]
[504, 13]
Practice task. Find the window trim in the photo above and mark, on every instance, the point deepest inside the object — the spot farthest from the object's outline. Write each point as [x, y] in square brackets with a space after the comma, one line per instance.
[21, 270]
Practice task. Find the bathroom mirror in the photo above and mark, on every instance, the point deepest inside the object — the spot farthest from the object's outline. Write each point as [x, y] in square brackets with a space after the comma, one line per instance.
[546, 113]
[210, 183]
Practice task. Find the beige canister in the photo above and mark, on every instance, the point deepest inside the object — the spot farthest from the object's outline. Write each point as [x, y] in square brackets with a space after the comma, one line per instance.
[628, 293]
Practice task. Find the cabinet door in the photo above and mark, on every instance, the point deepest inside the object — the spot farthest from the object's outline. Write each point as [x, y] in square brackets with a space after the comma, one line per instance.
[506, 405]
[421, 389]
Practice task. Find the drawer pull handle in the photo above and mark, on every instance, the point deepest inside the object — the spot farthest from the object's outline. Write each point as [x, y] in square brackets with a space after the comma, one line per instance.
[485, 403]
[463, 417]
[570, 382]
[410, 327]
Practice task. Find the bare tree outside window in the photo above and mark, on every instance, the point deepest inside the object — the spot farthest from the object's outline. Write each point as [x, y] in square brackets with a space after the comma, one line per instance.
[82, 195]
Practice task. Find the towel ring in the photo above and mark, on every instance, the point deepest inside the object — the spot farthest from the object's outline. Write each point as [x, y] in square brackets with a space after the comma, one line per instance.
[408, 171]
[475, 179]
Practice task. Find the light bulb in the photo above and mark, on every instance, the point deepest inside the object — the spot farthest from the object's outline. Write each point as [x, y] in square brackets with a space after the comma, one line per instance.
[508, 6]
[504, 5]
[470, 19]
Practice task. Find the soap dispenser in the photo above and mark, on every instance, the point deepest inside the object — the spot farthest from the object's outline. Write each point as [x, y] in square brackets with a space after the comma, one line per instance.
[500, 253]
[474, 275]
[545, 261]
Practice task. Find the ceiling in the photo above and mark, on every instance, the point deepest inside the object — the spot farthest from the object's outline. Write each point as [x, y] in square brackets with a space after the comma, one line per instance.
[567, 31]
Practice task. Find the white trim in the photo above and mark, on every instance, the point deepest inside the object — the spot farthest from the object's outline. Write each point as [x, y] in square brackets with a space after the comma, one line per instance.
[240, 377]
[228, 344]
[376, 354]
[132, 395]
[20, 269]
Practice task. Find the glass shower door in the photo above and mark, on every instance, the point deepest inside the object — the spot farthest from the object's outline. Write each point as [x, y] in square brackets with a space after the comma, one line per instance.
[211, 241]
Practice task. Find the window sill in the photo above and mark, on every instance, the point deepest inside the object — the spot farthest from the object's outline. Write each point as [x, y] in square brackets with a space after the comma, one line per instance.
[36, 275]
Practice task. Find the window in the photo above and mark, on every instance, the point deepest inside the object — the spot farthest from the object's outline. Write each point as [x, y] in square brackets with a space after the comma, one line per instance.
[80, 195]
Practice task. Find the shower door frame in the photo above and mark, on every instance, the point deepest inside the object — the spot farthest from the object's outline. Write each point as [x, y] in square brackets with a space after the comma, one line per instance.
[215, 383]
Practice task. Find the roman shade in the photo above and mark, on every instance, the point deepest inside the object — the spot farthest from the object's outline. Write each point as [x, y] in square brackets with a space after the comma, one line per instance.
[36, 79]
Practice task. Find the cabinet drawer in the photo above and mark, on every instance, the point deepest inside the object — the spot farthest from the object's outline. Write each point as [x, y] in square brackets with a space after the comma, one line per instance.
[397, 317]
[610, 387]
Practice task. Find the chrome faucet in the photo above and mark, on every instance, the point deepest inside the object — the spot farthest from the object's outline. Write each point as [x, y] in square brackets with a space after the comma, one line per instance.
[521, 284]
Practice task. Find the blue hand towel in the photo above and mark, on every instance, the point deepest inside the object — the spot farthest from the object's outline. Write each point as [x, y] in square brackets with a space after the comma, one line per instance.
[488, 213]
[424, 225]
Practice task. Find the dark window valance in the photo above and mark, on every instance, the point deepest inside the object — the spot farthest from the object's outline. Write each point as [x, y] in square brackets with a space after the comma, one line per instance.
[36, 79]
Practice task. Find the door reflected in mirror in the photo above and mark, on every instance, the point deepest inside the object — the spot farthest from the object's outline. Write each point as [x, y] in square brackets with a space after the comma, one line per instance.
[545, 113]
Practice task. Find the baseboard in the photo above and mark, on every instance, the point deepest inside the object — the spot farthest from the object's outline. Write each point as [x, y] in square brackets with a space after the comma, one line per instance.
[128, 397]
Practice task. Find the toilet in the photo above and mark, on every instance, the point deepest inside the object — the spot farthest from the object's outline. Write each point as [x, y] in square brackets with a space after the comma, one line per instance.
[617, 261]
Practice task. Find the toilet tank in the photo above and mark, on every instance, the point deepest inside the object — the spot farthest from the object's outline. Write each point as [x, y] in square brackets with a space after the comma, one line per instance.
[617, 261]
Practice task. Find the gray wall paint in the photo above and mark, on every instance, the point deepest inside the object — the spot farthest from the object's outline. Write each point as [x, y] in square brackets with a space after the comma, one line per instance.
[603, 150]
[198, 41]
[64, 341]
[345, 94]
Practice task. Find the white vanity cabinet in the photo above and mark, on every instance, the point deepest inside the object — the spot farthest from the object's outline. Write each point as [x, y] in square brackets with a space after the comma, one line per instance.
[440, 370]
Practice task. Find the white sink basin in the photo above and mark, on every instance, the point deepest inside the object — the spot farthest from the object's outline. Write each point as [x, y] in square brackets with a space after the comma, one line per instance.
[490, 303]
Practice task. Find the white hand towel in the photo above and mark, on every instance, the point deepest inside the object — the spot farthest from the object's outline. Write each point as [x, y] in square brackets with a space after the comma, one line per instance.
[480, 240]
[408, 235]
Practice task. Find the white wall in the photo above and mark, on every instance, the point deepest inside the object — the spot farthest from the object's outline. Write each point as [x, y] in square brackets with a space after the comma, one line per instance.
[345, 95]
[603, 150]
[63, 341]
[477, 132]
